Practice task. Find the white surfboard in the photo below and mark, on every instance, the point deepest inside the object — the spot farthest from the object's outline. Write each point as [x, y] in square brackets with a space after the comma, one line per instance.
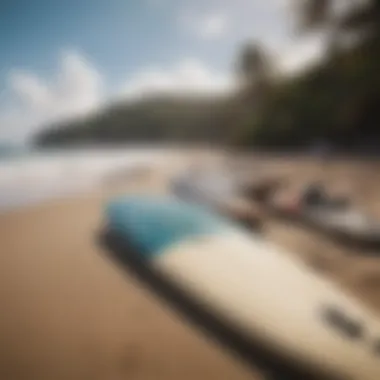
[276, 302]
[349, 222]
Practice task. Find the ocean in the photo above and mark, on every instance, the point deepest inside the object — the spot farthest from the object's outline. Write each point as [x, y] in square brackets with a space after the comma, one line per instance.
[34, 176]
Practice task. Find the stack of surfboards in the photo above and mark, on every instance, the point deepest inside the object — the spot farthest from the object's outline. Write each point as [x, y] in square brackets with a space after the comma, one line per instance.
[256, 299]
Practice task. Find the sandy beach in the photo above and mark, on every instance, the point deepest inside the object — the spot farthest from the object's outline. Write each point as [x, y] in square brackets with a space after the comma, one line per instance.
[68, 312]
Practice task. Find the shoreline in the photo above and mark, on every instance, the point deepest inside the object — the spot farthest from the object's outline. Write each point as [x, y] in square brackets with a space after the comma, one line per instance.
[67, 174]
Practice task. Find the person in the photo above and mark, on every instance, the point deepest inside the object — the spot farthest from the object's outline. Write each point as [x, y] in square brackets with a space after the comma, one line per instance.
[264, 190]
[314, 195]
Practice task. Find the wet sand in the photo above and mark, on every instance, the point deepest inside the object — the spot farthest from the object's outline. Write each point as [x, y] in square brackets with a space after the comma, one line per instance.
[69, 312]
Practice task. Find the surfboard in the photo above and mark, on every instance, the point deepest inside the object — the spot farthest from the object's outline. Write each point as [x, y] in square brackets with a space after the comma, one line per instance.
[348, 222]
[348, 225]
[251, 295]
[211, 188]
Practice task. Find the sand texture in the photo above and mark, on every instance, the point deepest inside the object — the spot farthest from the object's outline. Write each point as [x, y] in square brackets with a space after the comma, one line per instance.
[69, 312]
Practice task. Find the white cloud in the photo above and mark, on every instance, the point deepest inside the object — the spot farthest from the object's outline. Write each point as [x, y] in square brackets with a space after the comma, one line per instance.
[296, 56]
[211, 26]
[33, 101]
[187, 76]
[29, 89]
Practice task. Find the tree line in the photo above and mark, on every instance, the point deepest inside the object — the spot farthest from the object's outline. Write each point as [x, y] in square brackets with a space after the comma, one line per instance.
[336, 101]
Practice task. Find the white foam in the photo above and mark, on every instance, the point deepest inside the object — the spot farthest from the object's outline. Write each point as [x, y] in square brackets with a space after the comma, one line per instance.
[40, 176]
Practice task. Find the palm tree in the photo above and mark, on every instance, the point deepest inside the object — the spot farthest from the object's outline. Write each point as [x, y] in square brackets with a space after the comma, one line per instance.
[357, 16]
[255, 70]
[313, 14]
[357, 20]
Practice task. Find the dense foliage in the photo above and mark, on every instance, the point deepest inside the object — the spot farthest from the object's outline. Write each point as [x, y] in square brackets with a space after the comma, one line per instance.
[338, 102]
[156, 119]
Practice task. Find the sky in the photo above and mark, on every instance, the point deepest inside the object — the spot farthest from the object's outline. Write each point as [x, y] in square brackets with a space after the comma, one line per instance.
[64, 59]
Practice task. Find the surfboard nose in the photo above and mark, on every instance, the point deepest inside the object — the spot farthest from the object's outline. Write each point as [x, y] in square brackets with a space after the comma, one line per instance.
[152, 224]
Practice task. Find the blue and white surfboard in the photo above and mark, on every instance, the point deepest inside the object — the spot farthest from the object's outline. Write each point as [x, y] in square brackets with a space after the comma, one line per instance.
[300, 320]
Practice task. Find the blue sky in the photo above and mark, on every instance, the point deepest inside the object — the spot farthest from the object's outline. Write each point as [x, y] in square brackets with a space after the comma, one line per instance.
[118, 35]
[122, 35]
[66, 58]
